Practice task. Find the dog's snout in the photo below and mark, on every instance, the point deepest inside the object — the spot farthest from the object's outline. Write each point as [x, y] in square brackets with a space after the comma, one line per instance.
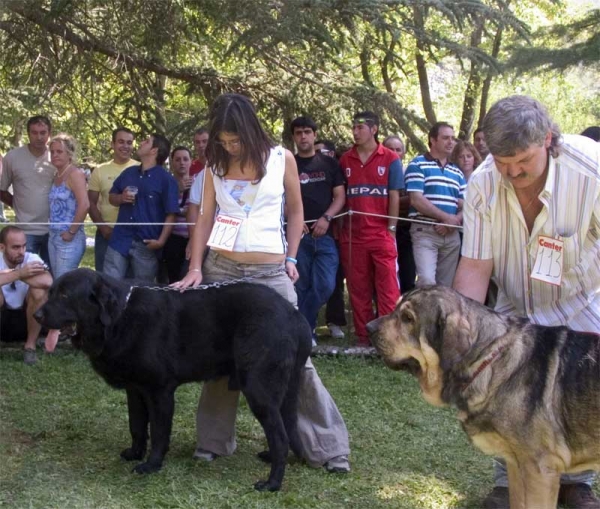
[373, 325]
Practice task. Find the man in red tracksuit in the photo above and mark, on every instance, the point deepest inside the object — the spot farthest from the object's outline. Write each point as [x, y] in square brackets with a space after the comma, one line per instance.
[368, 243]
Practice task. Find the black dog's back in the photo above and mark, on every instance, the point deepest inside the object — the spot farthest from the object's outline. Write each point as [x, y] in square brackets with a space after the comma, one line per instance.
[149, 341]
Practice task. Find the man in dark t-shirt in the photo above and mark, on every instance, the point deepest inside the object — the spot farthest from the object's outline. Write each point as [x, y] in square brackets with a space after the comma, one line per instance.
[323, 196]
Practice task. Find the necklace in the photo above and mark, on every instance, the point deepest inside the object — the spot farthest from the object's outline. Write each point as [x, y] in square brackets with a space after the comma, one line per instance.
[535, 197]
[60, 174]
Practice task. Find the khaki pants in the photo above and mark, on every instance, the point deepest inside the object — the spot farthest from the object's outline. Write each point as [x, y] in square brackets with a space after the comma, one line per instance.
[321, 428]
[436, 256]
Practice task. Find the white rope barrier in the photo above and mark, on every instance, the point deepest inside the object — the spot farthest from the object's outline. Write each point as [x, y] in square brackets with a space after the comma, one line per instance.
[347, 213]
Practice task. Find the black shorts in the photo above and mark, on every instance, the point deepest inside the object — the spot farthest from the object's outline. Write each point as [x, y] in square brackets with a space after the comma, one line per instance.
[13, 325]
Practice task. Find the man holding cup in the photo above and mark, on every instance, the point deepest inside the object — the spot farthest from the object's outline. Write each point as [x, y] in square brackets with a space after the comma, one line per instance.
[147, 199]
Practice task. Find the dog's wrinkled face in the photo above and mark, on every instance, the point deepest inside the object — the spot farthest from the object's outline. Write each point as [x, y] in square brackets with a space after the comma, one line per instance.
[424, 335]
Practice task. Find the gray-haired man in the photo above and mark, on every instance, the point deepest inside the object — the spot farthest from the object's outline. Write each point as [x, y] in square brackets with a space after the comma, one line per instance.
[538, 184]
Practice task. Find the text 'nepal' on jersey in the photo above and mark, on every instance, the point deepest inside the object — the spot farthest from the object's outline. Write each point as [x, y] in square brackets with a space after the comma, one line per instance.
[441, 185]
[368, 187]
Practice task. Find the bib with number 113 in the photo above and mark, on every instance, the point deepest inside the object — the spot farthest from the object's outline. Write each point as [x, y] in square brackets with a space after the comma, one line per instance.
[549, 261]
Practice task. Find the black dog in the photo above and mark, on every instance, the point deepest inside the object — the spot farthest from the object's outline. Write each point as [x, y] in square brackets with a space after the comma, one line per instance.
[149, 342]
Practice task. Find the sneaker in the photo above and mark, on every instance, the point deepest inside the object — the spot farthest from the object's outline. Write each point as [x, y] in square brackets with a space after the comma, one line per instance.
[338, 465]
[578, 496]
[204, 455]
[497, 499]
[335, 331]
[29, 357]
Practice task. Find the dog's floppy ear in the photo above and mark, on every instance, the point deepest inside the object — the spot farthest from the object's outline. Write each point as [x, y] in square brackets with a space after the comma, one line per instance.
[456, 338]
[108, 302]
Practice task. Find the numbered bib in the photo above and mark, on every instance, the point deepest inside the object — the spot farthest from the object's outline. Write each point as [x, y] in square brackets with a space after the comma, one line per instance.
[224, 232]
[549, 261]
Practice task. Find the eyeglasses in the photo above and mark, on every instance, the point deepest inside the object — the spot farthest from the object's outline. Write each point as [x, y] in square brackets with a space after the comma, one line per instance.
[232, 143]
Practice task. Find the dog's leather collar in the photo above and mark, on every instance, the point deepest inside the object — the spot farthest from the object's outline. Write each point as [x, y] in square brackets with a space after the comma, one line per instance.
[488, 360]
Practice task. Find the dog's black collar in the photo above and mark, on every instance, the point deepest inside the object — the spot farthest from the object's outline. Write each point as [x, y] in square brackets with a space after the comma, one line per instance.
[487, 361]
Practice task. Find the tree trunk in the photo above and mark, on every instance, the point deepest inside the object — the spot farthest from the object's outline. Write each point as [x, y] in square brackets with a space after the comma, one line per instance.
[422, 68]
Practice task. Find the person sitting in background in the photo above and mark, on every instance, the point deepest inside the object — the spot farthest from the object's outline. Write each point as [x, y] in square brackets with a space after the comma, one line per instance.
[174, 252]
[465, 156]
[24, 284]
[69, 204]
[101, 211]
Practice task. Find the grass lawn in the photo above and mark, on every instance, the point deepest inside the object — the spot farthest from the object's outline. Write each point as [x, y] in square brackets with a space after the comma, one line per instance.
[62, 428]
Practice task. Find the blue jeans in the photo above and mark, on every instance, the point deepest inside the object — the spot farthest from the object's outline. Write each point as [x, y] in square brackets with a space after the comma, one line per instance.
[143, 262]
[65, 256]
[100, 246]
[318, 262]
[38, 244]
[501, 475]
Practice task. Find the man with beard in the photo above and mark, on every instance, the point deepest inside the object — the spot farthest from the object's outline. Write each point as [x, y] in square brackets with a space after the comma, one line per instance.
[24, 283]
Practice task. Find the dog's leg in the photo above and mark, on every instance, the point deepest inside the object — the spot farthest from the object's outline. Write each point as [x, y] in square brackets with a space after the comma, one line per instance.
[289, 414]
[528, 487]
[161, 405]
[270, 419]
[138, 426]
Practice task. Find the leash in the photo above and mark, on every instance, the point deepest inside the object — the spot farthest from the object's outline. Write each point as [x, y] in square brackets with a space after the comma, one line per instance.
[218, 284]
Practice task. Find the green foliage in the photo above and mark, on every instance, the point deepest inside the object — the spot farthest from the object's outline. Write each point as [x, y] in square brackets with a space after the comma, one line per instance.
[156, 65]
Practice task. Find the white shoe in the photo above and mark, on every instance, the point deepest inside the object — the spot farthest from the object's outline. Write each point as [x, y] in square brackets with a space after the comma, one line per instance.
[335, 331]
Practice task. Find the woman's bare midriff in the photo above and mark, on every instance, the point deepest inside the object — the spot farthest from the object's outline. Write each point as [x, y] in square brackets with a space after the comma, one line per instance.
[252, 257]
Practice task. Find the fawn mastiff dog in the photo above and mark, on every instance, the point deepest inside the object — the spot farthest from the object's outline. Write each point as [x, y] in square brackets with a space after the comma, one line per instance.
[527, 393]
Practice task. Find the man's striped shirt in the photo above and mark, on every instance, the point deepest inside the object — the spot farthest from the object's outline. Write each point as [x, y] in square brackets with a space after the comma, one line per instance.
[443, 186]
[494, 228]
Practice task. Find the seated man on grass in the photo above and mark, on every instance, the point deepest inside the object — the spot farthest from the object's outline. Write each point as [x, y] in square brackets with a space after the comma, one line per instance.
[24, 284]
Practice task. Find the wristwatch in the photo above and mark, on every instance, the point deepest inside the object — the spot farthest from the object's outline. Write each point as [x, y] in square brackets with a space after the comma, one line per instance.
[392, 228]
[328, 217]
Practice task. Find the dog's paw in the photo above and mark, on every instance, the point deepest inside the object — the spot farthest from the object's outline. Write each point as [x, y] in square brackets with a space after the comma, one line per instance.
[131, 454]
[265, 456]
[266, 486]
[146, 468]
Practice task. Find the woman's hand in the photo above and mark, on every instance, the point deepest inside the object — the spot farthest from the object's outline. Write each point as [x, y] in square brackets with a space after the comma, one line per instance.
[192, 279]
[67, 236]
[292, 271]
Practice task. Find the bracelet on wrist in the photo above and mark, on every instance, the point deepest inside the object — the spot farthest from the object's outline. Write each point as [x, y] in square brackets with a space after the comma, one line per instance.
[290, 259]
[194, 270]
[72, 233]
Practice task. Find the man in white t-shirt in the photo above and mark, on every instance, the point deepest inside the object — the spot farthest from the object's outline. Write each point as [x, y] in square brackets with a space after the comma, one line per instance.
[29, 171]
[24, 284]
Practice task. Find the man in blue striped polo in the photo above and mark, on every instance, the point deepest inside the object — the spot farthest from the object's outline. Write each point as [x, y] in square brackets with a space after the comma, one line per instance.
[436, 189]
